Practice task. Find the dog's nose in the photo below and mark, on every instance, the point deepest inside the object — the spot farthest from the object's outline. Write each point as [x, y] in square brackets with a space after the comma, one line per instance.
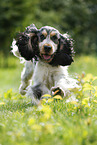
[47, 48]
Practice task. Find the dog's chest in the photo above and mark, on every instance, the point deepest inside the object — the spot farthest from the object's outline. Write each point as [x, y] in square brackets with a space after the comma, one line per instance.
[45, 74]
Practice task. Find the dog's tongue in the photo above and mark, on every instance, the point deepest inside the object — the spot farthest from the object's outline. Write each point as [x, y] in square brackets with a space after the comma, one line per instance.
[46, 57]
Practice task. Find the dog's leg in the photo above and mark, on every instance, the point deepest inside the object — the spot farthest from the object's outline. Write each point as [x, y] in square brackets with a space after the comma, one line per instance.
[63, 86]
[26, 76]
[36, 91]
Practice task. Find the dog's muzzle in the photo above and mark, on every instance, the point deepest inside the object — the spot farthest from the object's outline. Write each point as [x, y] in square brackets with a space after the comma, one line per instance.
[47, 54]
[47, 48]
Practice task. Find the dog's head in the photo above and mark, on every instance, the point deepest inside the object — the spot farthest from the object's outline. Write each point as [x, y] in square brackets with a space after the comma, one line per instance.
[46, 43]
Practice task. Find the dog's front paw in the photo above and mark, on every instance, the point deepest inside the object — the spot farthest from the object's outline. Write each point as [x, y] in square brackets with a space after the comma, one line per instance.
[57, 91]
[22, 90]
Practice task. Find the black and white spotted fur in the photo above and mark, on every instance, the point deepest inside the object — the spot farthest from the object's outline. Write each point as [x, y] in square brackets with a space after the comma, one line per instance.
[47, 53]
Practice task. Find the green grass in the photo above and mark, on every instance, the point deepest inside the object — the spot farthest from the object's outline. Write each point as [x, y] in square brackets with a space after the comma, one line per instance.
[10, 77]
[87, 64]
[53, 121]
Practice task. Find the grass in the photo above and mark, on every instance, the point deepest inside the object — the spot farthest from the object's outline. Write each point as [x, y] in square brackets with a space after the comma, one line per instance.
[10, 77]
[54, 121]
[85, 64]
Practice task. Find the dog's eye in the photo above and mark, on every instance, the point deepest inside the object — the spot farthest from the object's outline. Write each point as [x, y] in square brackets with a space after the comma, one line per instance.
[42, 37]
[54, 38]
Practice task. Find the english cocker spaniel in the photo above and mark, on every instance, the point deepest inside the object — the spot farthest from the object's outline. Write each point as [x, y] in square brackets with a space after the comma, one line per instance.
[47, 54]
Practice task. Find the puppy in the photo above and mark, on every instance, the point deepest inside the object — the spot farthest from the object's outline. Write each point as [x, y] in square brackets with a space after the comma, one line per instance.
[47, 53]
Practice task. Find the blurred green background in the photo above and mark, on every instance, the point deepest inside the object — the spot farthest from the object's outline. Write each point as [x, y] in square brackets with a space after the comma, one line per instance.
[77, 17]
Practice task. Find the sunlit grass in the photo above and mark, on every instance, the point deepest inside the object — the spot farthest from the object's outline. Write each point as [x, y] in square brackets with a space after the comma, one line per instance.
[10, 76]
[55, 120]
[87, 64]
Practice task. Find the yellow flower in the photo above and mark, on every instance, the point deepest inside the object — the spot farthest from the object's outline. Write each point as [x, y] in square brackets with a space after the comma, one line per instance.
[46, 95]
[58, 97]
[46, 116]
[95, 94]
[95, 101]
[31, 121]
[46, 110]
[50, 100]
[88, 77]
[36, 127]
[74, 102]
[95, 78]
[85, 133]
[47, 100]
[85, 102]
[2, 103]
[78, 97]
[8, 94]
[87, 87]
[75, 108]
[95, 87]
[43, 100]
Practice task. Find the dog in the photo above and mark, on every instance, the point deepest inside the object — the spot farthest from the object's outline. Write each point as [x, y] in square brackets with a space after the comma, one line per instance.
[47, 54]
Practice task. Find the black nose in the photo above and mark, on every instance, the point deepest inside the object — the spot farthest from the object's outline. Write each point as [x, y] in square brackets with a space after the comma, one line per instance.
[47, 48]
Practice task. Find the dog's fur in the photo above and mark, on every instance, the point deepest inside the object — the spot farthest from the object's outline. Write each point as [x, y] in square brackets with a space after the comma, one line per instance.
[47, 54]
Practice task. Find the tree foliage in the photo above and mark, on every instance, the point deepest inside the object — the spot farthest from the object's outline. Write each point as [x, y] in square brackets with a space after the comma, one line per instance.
[10, 20]
[77, 17]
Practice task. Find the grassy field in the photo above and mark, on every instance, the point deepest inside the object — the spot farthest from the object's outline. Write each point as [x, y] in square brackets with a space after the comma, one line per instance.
[55, 120]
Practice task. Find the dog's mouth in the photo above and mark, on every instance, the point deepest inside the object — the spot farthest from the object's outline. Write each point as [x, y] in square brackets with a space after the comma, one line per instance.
[47, 58]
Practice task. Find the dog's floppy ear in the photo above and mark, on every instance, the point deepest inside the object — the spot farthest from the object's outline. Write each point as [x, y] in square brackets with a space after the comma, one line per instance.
[27, 42]
[64, 54]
